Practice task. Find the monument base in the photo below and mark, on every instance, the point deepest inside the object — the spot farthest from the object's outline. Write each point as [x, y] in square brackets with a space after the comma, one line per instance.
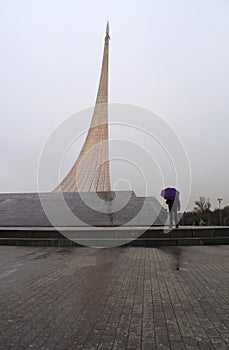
[78, 209]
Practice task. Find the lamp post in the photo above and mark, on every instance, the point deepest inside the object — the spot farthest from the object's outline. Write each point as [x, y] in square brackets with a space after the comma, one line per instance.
[220, 214]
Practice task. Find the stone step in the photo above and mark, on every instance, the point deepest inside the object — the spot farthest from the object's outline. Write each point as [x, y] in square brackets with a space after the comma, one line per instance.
[117, 236]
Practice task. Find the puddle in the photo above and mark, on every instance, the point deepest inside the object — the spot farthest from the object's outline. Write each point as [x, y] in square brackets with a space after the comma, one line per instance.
[176, 254]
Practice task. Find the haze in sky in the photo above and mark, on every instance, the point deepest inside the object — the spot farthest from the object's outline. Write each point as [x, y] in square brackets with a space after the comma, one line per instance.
[170, 57]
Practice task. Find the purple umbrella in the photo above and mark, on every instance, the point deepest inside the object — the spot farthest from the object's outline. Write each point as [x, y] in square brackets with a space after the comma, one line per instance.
[170, 193]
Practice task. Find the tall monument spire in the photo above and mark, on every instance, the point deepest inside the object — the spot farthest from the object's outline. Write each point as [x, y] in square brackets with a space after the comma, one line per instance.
[91, 171]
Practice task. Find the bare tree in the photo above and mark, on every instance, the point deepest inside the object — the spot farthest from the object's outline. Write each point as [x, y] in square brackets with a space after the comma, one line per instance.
[202, 205]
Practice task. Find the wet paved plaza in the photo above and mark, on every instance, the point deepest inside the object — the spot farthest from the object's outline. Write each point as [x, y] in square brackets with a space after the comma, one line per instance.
[119, 298]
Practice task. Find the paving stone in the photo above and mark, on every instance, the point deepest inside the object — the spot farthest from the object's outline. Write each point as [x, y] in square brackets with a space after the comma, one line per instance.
[117, 298]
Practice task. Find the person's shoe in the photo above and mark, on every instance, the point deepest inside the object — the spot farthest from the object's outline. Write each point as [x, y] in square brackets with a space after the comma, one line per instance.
[177, 225]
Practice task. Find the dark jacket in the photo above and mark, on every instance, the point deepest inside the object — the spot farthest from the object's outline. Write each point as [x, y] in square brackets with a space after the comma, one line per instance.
[173, 204]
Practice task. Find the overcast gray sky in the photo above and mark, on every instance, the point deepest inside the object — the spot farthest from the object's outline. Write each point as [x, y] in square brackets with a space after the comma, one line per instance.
[169, 56]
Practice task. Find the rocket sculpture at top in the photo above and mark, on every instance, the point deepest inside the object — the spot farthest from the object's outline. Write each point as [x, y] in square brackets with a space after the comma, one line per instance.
[91, 171]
